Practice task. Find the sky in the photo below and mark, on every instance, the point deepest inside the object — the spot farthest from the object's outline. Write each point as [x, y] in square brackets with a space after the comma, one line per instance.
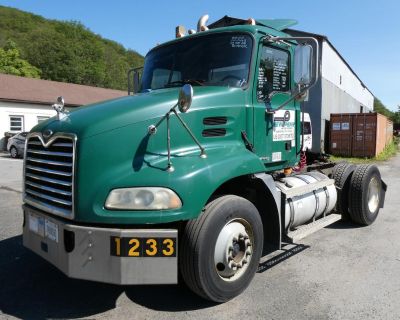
[365, 32]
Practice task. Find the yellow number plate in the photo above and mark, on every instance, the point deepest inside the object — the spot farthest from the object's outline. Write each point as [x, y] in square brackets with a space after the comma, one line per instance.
[142, 247]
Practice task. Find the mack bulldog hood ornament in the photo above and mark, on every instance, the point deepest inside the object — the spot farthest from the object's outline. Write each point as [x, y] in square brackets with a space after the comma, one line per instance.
[60, 108]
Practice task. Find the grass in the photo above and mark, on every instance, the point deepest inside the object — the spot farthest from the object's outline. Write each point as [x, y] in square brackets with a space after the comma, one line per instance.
[390, 150]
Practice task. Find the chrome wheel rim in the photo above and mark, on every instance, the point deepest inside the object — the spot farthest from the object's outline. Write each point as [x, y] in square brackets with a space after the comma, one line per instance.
[13, 152]
[233, 249]
[373, 194]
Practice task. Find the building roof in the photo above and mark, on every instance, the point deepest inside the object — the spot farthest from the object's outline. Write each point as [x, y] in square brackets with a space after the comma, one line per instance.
[37, 91]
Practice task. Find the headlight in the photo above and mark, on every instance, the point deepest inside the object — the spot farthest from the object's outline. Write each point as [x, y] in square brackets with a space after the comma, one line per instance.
[150, 198]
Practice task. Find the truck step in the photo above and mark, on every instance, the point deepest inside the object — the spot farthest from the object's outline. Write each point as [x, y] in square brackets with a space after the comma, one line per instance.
[307, 229]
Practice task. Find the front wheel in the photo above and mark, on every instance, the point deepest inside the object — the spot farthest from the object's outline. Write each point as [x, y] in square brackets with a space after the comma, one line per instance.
[221, 249]
[14, 152]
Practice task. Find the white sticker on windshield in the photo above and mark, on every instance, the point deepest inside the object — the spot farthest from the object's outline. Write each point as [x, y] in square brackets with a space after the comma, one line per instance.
[239, 42]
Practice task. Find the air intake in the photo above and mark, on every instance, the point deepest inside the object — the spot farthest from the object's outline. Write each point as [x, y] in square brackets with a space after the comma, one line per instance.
[218, 132]
[214, 121]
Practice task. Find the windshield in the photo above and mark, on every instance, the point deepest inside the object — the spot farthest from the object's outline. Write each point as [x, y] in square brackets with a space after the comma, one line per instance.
[214, 60]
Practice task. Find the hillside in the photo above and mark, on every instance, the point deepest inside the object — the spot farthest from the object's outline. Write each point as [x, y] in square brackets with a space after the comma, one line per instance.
[67, 51]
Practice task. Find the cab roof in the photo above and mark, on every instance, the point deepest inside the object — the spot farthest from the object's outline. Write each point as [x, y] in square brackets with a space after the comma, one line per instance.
[274, 27]
[277, 24]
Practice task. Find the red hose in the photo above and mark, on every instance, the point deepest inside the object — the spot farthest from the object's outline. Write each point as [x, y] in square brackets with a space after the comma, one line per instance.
[302, 163]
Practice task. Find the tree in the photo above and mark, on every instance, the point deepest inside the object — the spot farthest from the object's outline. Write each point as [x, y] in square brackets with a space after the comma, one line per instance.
[396, 116]
[11, 63]
[380, 108]
[67, 51]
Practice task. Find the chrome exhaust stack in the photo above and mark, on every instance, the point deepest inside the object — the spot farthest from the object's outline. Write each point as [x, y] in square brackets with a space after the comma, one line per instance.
[201, 25]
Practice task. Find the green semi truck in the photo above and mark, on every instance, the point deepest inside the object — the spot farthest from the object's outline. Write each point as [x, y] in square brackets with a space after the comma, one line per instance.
[197, 173]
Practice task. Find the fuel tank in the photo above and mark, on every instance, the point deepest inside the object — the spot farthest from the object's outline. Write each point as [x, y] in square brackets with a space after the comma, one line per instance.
[304, 208]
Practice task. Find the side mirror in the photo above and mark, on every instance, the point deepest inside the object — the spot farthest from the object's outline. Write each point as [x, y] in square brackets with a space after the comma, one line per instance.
[304, 70]
[185, 98]
[134, 80]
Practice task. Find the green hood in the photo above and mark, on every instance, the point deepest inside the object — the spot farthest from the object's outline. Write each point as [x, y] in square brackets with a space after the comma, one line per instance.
[113, 114]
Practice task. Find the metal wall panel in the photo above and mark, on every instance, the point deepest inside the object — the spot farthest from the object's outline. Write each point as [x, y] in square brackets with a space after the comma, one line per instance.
[335, 70]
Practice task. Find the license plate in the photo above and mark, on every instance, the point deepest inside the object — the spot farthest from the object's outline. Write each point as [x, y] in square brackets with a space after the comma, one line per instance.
[142, 247]
[36, 224]
[51, 230]
[43, 227]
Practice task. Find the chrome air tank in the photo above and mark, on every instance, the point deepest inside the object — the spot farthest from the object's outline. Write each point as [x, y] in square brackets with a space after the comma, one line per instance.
[306, 207]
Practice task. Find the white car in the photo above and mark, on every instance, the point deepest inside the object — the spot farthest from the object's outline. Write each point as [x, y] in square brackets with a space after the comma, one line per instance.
[16, 145]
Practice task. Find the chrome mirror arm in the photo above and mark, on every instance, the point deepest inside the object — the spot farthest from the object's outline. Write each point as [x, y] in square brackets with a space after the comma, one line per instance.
[152, 129]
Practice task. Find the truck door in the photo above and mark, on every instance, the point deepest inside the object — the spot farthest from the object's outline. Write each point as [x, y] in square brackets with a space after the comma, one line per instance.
[274, 130]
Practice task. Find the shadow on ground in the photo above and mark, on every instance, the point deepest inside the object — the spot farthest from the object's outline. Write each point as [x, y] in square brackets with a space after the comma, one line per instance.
[344, 224]
[30, 288]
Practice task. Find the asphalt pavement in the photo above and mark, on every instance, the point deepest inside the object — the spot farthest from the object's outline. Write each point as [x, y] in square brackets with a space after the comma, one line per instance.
[340, 272]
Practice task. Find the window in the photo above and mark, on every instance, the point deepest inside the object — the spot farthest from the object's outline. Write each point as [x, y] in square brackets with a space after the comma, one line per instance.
[161, 77]
[16, 123]
[237, 72]
[221, 59]
[42, 118]
[273, 72]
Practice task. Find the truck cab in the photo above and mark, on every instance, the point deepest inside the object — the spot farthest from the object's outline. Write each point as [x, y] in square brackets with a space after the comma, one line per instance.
[188, 174]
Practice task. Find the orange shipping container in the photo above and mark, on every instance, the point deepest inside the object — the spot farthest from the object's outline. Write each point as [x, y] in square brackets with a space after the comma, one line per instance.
[389, 131]
[359, 134]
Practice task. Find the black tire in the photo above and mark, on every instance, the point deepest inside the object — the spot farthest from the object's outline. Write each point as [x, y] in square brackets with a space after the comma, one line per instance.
[14, 152]
[342, 173]
[360, 211]
[199, 240]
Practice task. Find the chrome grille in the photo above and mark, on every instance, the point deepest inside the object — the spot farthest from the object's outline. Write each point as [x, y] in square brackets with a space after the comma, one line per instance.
[49, 173]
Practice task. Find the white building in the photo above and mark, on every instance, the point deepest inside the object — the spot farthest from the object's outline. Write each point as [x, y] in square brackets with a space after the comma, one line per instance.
[24, 102]
[339, 90]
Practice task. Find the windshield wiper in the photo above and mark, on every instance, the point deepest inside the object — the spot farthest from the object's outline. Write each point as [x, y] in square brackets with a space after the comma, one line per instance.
[199, 82]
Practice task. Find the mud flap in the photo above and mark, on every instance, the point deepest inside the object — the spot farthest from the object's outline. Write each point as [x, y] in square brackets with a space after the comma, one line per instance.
[383, 194]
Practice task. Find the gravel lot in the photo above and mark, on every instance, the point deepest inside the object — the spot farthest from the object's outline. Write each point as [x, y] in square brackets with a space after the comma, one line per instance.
[340, 272]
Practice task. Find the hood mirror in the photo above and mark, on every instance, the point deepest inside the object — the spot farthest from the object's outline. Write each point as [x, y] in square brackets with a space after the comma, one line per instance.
[185, 98]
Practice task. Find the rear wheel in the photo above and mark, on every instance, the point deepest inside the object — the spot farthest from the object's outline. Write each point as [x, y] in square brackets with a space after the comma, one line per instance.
[342, 173]
[365, 194]
[221, 249]
[13, 152]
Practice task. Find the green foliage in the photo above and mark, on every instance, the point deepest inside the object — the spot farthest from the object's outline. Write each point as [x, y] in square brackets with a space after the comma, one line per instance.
[396, 116]
[67, 51]
[380, 108]
[389, 151]
[11, 63]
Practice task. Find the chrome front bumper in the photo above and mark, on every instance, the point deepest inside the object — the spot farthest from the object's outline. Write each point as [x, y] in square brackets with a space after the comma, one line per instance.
[84, 252]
